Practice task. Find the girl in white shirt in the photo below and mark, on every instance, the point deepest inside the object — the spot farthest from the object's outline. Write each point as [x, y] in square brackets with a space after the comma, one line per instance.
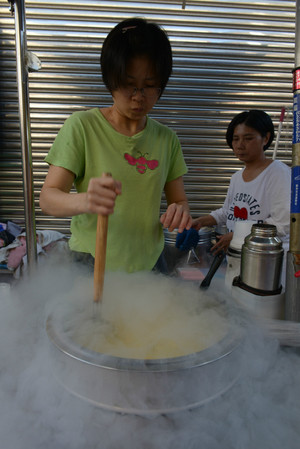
[261, 190]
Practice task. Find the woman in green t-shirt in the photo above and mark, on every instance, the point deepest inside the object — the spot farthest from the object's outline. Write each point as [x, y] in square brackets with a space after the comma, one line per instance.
[143, 156]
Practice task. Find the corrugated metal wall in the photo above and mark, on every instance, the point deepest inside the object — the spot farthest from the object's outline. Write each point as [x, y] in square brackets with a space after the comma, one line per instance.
[228, 56]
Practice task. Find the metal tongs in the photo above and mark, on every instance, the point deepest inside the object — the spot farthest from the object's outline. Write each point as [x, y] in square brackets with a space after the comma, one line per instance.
[218, 259]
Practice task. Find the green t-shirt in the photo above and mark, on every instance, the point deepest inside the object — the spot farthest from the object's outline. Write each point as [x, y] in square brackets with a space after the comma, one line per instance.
[88, 146]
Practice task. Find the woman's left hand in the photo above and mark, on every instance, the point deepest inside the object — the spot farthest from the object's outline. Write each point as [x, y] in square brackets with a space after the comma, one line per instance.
[222, 244]
[176, 217]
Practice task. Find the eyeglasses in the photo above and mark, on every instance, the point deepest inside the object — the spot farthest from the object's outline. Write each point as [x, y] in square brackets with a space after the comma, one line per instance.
[148, 91]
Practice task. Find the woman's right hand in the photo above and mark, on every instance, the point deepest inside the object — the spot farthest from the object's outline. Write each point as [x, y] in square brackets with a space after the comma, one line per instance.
[101, 195]
[57, 199]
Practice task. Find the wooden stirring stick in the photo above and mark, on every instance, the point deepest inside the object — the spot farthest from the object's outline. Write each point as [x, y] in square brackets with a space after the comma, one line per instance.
[100, 254]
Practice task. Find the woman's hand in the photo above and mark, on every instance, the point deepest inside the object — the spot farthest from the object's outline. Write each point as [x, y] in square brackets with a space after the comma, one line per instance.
[177, 214]
[101, 195]
[198, 223]
[206, 220]
[57, 199]
[222, 244]
[176, 217]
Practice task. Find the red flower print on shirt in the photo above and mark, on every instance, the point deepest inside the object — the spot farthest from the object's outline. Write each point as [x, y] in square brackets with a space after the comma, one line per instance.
[141, 163]
[240, 213]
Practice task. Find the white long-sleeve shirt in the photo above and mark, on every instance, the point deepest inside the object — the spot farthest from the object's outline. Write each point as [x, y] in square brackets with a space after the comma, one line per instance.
[264, 199]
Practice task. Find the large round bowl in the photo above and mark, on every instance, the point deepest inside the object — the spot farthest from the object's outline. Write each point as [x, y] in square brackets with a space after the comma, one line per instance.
[144, 387]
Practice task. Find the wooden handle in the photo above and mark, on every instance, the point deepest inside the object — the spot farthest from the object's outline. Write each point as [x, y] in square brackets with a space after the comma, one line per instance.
[100, 255]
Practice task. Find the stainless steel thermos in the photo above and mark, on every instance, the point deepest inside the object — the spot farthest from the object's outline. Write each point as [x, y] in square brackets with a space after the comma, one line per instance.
[261, 258]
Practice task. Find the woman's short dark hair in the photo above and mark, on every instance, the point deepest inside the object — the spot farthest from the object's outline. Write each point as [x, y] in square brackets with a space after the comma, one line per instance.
[256, 119]
[135, 38]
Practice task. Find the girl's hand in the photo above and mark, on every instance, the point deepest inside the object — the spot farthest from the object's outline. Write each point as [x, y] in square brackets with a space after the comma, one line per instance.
[101, 195]
[198, 223]
[222, 244]
[176, 217]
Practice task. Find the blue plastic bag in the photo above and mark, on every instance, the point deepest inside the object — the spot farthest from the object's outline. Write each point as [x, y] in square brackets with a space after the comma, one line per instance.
[187, 240]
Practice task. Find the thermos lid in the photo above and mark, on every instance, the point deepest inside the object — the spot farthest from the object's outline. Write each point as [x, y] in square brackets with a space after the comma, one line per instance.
[263, 237]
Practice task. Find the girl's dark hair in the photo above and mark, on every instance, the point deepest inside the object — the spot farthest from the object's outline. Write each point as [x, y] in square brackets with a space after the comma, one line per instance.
[258, 120]
[134, 38]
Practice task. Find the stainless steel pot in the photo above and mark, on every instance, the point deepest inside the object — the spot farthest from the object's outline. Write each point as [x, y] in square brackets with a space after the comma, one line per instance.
[144, 387]
[201, 256]
[261, 259]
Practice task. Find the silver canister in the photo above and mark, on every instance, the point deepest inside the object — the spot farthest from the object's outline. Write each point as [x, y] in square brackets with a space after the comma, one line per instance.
[261, 259]
[174, 257]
